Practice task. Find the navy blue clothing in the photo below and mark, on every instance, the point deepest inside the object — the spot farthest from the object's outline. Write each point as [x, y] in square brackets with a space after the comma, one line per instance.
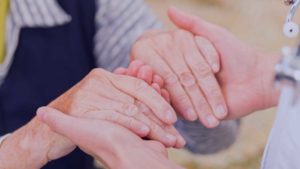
[47, 62]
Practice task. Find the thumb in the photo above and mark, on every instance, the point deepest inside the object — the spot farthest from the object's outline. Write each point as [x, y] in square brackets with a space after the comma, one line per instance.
[196, 25]
[59, 122]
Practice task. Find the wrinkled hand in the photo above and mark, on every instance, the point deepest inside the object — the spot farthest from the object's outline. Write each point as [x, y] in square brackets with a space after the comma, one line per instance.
[124, 100]
[187, 65]
[246, 74]
[111, 144]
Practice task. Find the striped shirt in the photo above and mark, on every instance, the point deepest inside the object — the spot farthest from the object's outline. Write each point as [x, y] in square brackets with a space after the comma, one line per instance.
[118, 24]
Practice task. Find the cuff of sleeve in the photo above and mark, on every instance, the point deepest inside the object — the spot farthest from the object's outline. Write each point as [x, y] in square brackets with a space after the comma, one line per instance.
[3, 138]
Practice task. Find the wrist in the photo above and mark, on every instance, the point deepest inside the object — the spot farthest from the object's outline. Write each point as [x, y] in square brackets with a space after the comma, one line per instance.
[267, 70]
[23, 149]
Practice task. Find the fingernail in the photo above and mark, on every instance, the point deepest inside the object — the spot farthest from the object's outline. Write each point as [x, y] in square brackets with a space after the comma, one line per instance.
[191, 114]
[215, 68]
[220, 111]
[212, 121]
[144, 130]
[170, 117]
[170, 139]
[41, 113]
[181, 141]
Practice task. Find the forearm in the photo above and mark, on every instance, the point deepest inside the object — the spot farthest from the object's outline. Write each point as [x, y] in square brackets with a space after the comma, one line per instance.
[26, 148]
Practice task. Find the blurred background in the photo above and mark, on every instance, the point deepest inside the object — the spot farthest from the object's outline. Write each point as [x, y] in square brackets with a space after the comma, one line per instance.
[259, 23]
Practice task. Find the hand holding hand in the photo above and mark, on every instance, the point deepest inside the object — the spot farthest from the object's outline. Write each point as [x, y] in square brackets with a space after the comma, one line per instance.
[246, 75]
[187, 65]
[111, 144]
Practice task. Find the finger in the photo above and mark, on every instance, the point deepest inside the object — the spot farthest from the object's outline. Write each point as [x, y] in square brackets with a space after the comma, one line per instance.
[168, 129]
[159, 80]
[196, 25]
[134, 67]
[143, 92]
[102, 103]
[172, 84]
[157, 133]
[130, 123]
[56, 120]
[185, 41]
[156, 87]
[200, 27]
[206, 80]
[165, 94]
[145, 73]
[84, 133]
[209, 52]
[121, 71]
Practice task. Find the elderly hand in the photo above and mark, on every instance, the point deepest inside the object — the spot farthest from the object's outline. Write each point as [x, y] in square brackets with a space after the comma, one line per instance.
[109, 143]
[187, 65]
[144, 72]
[124, 100]
[246, 75]
[101, 95]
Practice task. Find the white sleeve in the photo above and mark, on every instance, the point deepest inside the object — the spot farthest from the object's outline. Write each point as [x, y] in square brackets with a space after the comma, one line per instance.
[3, 138]
[283, 148]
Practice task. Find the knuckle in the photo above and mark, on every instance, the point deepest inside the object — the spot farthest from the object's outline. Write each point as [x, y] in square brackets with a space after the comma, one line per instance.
[114, 117]
[187, 79]
[140, 85]
[203, 107]
[182, 100]
[203, 70]
[88, 83]
[130, 110]
[148, 113]
[130, 123]
[96, 72]
[170, 79]
[155, 129]
[216, 94]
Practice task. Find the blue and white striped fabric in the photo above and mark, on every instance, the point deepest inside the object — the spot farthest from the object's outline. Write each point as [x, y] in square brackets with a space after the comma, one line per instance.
[29, 13]
[119, 23]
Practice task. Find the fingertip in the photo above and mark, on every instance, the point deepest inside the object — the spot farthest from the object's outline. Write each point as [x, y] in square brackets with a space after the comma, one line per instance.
[159, 80]
[180, 142]
[170, 117]
[178, 16]
[172, 11]
[134, 67]
[156, 87]
[121, 71]
[41, 113]
[211, 122]
[143, 131]
[145, 73]
[215, 67]
[191, 115]
[170, 140]
[221, 112]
